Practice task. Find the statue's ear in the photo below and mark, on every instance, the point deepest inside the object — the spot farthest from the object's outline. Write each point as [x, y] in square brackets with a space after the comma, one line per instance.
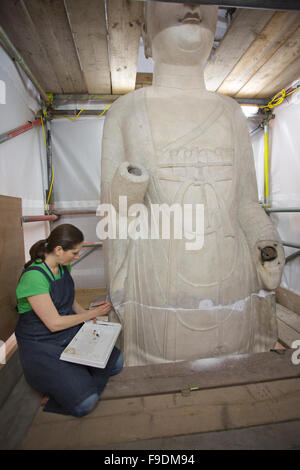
[146, 41]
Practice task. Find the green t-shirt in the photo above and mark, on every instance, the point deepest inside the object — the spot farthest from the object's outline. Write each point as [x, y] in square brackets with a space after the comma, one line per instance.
[33, 283]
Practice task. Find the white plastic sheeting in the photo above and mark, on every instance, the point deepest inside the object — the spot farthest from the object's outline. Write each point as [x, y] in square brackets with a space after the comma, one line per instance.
[284, 180]
[76, 153]
[21, 158]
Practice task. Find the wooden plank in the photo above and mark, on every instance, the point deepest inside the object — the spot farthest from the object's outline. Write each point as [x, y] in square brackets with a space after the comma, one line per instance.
[273, 68]
[12, 261]
[288, 299]
[51, 23]
[281, 26]
[143, 79]
[281, 81]
[129, 420]
[87, 22]
[203, 373]
[124, 26]
[20, 29]
[288, 325]
[246, 25]
[292, 319]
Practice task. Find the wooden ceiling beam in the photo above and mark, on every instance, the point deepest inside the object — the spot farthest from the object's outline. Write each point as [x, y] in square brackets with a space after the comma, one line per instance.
[124, 27]
[22, 32]
[280, 27]
[272, 69]
[51, 23]
[259, 4]
[246, 25]
[88, 26]
[283, 80]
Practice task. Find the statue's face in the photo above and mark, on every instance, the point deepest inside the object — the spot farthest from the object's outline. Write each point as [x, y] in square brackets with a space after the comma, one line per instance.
[180, 33]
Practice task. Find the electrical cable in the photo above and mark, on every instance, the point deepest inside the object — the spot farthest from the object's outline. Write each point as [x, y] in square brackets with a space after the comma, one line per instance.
[85, 109]
[279, 98]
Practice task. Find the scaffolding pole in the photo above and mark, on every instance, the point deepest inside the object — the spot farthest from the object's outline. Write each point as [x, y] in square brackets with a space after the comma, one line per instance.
[19, 130]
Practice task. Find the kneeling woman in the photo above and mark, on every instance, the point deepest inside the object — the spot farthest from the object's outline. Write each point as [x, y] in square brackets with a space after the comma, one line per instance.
[49, 318]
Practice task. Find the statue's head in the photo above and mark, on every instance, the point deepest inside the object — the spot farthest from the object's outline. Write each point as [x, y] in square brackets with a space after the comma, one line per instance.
[179, 33]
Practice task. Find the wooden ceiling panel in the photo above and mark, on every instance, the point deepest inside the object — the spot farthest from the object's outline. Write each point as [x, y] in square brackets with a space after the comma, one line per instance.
[88, 25]
[273, 68]
[281, 26]
[284, 79]
[124, 26]
[51, 23]
[245, 27]
[19, 27]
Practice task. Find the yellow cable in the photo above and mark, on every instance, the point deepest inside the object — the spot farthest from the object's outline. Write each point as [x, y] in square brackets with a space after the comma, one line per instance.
[71, 119]
[50, 191]
[74, 119]
[44, 131]
[278, 98]
[98, 115]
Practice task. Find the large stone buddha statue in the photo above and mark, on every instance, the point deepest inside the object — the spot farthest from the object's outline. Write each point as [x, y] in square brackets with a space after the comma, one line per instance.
[175, 143]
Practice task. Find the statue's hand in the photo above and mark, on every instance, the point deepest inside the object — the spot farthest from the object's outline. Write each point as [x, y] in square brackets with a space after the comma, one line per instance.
[130, 181]
[269, 261]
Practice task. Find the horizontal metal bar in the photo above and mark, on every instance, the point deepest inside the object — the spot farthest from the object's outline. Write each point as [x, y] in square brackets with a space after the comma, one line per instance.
[252, 101]
[282, 209]
[39, 218]
[258, 4]
[291, 244]
[90, 244]
[85, 97]
[73, 112]
[79, 212]
[18, 130]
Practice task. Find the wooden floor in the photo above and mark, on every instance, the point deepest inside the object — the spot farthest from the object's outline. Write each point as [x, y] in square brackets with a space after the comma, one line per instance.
[247, 401]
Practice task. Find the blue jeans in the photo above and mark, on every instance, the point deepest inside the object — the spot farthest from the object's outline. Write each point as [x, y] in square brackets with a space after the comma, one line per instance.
[87, 405]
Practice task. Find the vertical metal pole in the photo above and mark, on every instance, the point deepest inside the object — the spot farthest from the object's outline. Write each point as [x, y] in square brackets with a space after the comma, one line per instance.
[266, 160]
[49, 161]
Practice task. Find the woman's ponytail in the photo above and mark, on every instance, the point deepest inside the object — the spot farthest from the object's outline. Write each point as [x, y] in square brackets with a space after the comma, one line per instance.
[65, 235]
[37, 251]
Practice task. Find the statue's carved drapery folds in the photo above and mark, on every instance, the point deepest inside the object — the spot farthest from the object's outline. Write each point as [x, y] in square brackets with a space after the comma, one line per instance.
[177, 143]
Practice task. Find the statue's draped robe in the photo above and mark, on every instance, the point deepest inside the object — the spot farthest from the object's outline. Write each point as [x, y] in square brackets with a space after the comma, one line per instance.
[175, 304]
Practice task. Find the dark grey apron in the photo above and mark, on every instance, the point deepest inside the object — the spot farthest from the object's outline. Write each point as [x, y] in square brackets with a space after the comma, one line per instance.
[66, 384]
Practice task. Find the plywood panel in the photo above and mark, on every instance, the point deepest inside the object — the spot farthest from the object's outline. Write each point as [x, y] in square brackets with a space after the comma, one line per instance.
[272, 69]
[12, 261]
[87, 22]
[125, 21]
[244, 29]
[18, 25]
[281, 26]
[51, 23]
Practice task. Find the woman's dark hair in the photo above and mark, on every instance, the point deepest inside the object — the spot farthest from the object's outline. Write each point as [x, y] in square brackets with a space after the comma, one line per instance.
[66, 235]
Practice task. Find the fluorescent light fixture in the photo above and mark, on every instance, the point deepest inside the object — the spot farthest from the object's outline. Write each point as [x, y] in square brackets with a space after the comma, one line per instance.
[249, 110]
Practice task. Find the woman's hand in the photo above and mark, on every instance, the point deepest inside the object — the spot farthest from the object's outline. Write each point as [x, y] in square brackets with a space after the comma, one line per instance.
[102, 309]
